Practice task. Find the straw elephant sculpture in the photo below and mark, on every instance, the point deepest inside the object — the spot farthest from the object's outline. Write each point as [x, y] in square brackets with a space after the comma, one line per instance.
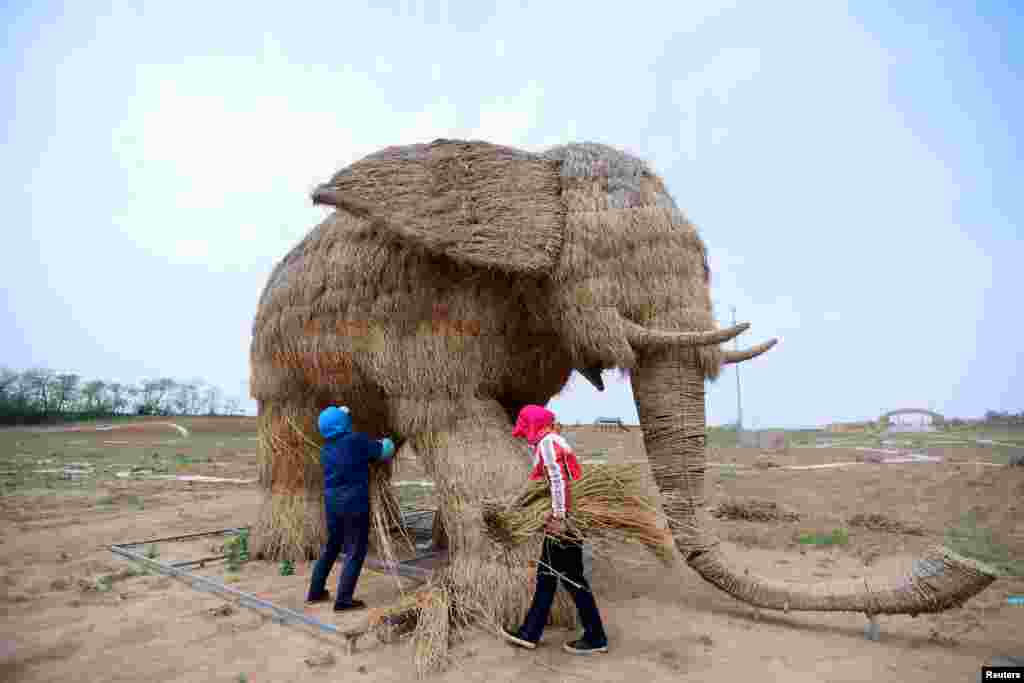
[455, 282]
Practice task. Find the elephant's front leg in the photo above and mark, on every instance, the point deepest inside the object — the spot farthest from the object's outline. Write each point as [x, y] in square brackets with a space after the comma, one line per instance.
[473, 459]
[291, 523]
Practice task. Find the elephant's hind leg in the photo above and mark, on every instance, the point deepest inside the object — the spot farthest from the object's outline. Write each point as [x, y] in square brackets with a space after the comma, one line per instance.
[291, 523]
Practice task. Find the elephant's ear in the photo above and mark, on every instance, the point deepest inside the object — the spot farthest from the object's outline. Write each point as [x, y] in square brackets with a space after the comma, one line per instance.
[474, 202]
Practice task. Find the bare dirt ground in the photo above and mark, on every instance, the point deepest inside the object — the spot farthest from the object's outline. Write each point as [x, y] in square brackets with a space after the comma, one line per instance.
[55, 625]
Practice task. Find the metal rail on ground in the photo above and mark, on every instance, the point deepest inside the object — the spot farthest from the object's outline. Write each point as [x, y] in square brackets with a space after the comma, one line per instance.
[279, 614]
[219, 532]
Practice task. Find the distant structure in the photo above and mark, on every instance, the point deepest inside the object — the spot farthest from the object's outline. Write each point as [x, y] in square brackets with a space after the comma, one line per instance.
[911, 420]
[610, 423]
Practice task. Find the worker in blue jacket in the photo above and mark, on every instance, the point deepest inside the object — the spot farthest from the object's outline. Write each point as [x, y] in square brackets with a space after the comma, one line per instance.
[346, 458]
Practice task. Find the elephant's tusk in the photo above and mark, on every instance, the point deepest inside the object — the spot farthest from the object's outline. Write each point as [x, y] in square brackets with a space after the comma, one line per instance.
[740, 356]
[643, 336]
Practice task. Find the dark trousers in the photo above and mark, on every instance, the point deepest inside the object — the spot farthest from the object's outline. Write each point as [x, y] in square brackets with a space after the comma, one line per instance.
[565, 559]
[347, 532]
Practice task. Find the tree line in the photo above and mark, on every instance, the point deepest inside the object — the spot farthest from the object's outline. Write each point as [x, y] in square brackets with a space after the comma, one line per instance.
[997, 417]
[41, 395]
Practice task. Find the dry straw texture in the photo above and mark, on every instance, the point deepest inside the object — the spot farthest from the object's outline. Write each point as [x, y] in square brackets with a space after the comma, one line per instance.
[456, 282]
[383, 302]
[481, 204]
[484, 582]
[628, 250]
[608, 506]
[486, 596]
[292, 522]
[670, 400]
[940, 581]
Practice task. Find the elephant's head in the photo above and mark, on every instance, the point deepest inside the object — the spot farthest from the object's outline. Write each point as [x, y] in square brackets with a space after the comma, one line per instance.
[628, 286]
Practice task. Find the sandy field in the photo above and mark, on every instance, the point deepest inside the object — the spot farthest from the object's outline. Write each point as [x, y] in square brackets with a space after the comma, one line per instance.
[71, 610]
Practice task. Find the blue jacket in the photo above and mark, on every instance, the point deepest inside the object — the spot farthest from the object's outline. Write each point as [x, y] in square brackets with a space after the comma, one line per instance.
[346, 461]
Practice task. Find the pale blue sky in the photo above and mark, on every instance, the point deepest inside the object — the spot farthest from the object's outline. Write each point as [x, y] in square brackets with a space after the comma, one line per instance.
[855, 174]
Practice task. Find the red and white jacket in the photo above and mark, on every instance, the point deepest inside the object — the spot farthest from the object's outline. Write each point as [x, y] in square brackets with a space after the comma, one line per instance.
[554, 458]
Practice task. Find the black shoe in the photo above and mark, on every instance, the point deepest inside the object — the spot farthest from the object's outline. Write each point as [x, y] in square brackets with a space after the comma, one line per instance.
[516, 638]
[582, 647]
[324, 597]
[348, 606]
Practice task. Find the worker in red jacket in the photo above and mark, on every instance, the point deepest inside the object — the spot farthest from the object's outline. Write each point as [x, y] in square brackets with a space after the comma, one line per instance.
[562, 554]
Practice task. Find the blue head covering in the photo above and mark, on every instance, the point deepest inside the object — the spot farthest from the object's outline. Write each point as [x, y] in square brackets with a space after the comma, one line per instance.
[334, 421]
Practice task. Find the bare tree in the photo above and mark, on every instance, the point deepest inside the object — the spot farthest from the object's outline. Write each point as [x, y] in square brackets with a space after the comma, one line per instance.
[21, 393]
[179, 401]
[92, 393]
[117, 393]
[212, 398]
[8, 383]
[195, 396]
[154, 395]
[104, 402]
[132, 394]
[165, 387]
[186, 398]
[67, 390]
[39, 392]
[39, 383]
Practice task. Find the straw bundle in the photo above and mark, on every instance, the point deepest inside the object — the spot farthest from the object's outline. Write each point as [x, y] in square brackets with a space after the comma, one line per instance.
[292, 522]
[608, 505]
[469, 592]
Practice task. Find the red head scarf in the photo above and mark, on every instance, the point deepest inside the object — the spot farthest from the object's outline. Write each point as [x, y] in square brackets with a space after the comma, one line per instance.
[532, 421]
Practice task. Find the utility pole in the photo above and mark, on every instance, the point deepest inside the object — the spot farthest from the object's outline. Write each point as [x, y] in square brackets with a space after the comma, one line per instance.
[739, 401]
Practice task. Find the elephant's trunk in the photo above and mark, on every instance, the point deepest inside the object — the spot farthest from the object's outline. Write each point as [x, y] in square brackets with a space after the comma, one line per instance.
[668, 385]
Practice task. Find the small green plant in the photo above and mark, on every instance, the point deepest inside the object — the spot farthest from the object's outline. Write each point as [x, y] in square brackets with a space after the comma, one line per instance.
[233, 560]
[183, 460]
[837, 537]
[243, 545]
[105, 583]
[242, 678]
[237, 550]
[287, 567]
[152, 552]
[729, 472]
[105, 501]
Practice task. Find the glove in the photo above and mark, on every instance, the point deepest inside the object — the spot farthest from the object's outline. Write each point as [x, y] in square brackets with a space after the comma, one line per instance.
[388, 449]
